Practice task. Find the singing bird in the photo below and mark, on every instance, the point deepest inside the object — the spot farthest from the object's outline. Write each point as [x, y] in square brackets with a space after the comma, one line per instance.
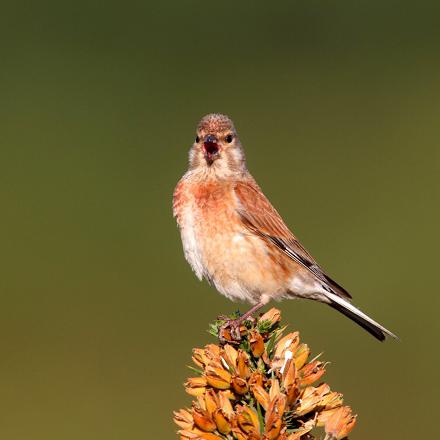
[234, 238]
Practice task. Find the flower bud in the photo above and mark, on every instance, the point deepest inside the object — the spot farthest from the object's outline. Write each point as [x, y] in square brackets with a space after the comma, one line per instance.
[248, 420]
[211, 403]
[301, 355]
[199, 357]
[202, 420]
[256, 378]
[340, 423]
[274, 388]
[239, 385]
[222, 422]
[261, 395]
[257, 343]
[217, 377]
[273, 418]
[184, 419]
[289, 373]
[196, 386]
[273, 316]
[310, 373]
[230, 355]
[224, 403]
[311, 398]
[288, 343]
[243, 365]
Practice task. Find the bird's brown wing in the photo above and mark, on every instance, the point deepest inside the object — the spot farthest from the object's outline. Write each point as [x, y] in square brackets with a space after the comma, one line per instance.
[262, 219]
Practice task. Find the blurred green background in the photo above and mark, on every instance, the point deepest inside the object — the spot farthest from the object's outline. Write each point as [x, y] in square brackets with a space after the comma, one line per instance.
[337, 104]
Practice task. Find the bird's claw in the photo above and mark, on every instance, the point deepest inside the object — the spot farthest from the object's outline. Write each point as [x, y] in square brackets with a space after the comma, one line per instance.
[230, 332]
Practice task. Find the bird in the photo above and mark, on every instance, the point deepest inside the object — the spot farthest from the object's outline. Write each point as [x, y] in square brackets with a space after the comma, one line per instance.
[236, 240]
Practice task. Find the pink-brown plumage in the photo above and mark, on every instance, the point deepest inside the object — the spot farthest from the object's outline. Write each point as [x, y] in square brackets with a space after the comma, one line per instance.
[233, 237]
[236, 261]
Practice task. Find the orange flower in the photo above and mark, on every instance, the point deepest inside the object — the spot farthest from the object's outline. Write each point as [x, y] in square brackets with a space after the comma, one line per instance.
[196, 386]
[340, 422]
[287, 344]
[243, 365]
[310, 399]
[261, 390]
[202, 419]
[198, 435]
[223, 423]
[210, 402]
[184, 419]
[248, 420]
[257, 343]
[230, 355]
[239, 385]
[218, 377]
[301, 355]
[274, 415]
[261, 395]
[273, 316]
[225, 403]
[288, 373]
[256, 378]
[311, 372]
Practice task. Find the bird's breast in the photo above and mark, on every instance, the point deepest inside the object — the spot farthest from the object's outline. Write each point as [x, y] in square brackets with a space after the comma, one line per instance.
[209, 225]
[220, 248]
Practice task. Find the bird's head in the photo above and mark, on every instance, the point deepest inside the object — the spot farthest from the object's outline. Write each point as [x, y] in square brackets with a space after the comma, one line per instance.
[216, 147]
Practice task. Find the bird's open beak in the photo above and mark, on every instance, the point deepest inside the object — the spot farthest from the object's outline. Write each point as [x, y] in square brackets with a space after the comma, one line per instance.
[210, 148]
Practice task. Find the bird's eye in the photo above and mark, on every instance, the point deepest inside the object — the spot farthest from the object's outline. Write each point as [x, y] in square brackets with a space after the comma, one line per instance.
[229, 138]
[197, 139]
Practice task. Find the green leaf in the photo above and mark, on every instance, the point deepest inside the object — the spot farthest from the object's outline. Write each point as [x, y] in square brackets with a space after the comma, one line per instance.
[195, 369]
[264, 326]
[260, 418]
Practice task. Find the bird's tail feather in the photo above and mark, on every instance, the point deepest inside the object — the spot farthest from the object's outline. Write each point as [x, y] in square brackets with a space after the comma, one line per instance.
[349, 310]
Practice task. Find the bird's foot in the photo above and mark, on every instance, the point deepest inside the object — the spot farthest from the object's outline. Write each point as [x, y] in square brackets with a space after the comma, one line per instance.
[230, 331]
[241, 318]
